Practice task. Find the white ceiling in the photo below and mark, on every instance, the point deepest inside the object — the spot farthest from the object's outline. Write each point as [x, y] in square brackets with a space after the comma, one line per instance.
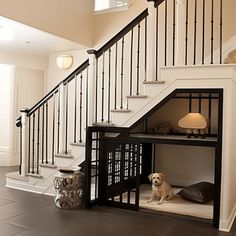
[20, 37]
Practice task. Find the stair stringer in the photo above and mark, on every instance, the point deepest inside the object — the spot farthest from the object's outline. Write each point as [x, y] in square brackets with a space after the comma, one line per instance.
[212, 76]
[44, 185]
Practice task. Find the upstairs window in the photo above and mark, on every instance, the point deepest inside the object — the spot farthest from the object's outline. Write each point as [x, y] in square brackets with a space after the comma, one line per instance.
[101, 5]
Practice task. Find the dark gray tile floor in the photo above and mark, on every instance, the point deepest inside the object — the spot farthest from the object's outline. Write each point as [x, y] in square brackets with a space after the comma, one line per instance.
[27, 214]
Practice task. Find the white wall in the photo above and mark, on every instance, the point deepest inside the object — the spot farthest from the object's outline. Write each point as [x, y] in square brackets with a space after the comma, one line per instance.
[6, 81]
[22, 59]
[177, 162]
[228, 187]
[26, 88]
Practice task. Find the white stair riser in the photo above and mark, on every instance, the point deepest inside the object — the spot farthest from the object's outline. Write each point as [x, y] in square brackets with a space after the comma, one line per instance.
[77, 151]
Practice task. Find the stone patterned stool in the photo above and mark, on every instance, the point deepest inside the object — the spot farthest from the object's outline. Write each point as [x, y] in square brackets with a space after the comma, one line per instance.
[69, 189]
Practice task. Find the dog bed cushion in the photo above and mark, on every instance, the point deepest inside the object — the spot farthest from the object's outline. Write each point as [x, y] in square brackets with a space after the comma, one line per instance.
[200, 192]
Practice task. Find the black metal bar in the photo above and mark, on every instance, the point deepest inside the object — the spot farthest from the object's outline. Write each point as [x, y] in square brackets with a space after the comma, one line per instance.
[53, 128]
[33, 145]
[81, 108]
[129, 168]
[174, 25]
[137, 154]
[20, 167]
[58, 121]
[46, 157]
[202, 97]
[146, 125]
[221, 30]
[166, 24]
[109, 89]
[145, 52]
[138, 60]
[157, 40]
[190, 103]
[122, 167]
[200, 104]
[87, 95]
[96, 92]
[131, 63]
[153, 158]
[103, 82]
[209, 114]
[195, 34]
[116, 68]
[29, 145]
[38, 142]
[218, 165]
[122, 74]
[212, 30]
[203, 30]
[66, 120]
[186, 33]
[42, 135]
[75, 110]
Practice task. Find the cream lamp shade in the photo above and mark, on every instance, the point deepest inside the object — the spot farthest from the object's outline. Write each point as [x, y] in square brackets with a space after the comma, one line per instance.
[64, 61]
[193, 121]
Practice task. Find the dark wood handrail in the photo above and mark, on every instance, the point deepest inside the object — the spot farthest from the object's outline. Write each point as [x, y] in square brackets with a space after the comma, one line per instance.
[83, 66]
[156, 2]
[123, 32]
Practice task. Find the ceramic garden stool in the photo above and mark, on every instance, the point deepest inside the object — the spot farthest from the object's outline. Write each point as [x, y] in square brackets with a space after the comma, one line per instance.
[69, 189]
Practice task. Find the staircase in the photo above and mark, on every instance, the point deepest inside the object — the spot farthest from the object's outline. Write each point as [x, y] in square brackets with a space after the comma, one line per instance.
[153, 55]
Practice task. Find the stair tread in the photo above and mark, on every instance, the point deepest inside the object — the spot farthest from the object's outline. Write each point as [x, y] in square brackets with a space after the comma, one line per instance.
[48, 165]
[63, 155]
[121, 110]
[77, 143]
[136, 96]
[17, 176]
[153, 82]
[35, 175]
[103, 124]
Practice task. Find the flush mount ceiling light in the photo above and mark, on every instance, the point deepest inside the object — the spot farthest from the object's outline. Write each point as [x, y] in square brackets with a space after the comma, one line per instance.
[64, 61]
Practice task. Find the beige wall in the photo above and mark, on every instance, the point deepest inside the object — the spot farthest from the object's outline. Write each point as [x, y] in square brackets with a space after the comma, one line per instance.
[229, 19]
[74, 20]
[106, 25]
[69, 19]
[56, 75]
[12, 57]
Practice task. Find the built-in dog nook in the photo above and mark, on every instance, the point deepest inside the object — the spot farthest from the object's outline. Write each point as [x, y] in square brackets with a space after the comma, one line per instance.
[180, 137]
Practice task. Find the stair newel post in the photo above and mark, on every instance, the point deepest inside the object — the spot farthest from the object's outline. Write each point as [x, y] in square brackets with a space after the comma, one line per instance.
[24, 142]
[62, 101]
[180, 32]
[92, 88]
[151, 44]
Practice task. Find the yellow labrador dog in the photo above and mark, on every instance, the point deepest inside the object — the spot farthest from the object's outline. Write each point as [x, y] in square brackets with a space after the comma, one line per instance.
[160, 188]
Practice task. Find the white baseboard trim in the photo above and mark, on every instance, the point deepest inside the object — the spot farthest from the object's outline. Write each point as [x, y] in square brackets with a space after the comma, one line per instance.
[225, 225]
[20, 185]
[6, 158]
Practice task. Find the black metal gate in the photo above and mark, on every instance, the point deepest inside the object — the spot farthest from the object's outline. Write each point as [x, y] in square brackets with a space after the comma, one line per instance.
[123, 159]
[113, 167]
